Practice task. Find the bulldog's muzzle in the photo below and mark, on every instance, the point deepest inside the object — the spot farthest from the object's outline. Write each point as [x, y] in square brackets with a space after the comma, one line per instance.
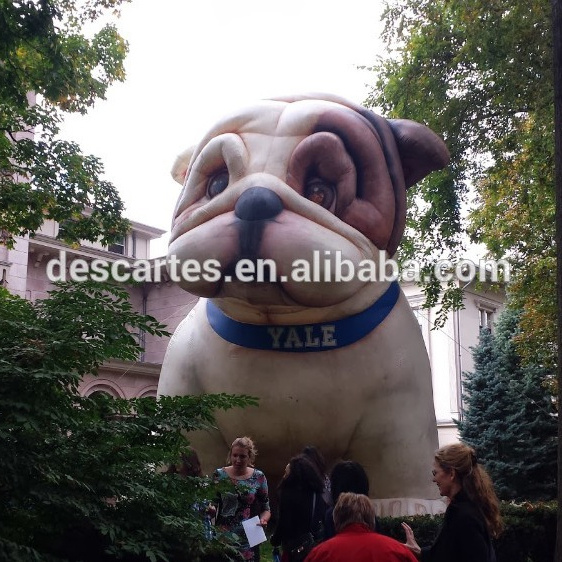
[254, 209]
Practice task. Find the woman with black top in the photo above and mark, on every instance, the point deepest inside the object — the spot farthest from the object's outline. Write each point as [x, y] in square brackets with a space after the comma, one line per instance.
[346, 476]
[472, 517]
[317, 459]
[301, 506]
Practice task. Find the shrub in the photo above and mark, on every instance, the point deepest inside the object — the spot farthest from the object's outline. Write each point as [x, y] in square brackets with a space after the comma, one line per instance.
[79, 478]
[529, 536]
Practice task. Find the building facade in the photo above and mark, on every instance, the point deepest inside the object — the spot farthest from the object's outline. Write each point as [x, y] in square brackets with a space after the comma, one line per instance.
[26, 270]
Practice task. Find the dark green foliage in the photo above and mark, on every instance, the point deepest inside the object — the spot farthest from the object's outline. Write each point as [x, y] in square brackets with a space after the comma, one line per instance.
[425, 527]
[510, 416]
[43, 51]
[479, 73]
[529, 535]
[79, 477]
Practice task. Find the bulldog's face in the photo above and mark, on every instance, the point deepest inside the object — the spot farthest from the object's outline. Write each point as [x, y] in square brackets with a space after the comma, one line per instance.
[286, 183]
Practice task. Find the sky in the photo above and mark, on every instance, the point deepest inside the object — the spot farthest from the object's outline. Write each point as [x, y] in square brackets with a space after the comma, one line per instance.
[190, 62]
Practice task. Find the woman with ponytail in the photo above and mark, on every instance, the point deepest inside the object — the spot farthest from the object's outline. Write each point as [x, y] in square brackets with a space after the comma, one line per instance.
[472, 517]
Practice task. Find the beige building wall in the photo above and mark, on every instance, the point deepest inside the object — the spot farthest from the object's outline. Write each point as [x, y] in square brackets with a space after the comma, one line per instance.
[170, 305]
[449, 347]
[14, 264]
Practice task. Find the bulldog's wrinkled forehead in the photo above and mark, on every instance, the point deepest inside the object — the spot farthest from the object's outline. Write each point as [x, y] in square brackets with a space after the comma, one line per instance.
[275, 118]
[270, 130]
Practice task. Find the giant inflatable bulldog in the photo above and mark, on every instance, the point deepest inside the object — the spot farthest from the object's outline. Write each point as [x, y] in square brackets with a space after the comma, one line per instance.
[310, 193]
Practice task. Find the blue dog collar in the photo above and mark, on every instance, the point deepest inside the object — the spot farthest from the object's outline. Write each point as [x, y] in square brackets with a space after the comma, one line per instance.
[304, 337]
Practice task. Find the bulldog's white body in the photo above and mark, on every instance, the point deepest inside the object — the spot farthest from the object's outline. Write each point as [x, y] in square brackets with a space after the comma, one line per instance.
[367, 401]
[329, 178]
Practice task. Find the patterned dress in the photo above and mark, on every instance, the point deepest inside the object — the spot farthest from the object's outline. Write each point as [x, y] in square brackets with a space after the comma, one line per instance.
[251, 498]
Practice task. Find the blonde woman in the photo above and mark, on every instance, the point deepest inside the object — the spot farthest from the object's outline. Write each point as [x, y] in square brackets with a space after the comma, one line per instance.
[472, 517]
[251, 497]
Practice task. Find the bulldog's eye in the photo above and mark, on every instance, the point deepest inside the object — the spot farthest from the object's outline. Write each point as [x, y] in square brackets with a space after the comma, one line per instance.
[318, 191]
[217, 184]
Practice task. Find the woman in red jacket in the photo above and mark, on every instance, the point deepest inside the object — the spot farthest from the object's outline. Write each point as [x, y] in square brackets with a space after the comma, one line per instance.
[356, 539]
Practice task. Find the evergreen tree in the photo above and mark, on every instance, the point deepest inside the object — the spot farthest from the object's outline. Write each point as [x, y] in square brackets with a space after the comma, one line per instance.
[510, 416]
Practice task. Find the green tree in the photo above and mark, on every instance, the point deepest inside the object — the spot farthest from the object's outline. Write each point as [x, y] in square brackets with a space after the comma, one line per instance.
[78, 478]
[49, 67]
[510, 416]
[480, 74]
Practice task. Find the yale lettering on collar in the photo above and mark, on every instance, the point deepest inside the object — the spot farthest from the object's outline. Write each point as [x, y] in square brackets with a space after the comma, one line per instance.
[294, 337]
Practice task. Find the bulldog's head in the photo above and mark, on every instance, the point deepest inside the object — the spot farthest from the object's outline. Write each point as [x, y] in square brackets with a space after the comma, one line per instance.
[313, 178]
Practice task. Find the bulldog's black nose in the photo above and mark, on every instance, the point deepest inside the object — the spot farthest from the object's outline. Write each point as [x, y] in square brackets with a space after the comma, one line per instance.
[258, 203]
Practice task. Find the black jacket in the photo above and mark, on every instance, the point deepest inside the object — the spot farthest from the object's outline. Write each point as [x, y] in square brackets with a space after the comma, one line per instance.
[295, 514]
[463, 537]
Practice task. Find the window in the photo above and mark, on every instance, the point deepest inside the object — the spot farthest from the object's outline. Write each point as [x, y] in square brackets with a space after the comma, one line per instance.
[422, 318]
[118, 247]
[419, 317]
[66, 227]
[101, 392]
[486, 317]
[486, 311]
[105, 387]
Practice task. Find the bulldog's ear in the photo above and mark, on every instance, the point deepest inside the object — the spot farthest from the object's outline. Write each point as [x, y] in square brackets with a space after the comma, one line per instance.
[179, 169]
[421, 150]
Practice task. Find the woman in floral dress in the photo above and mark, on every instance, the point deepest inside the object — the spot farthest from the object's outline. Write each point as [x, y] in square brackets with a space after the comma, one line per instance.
[251, 497]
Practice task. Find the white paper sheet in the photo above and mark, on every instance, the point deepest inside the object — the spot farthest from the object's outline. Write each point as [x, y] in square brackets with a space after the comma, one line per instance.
[254, 532]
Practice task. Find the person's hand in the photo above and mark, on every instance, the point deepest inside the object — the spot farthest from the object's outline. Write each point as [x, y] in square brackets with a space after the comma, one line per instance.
[263, 522]
[211, 510]
[411, 543]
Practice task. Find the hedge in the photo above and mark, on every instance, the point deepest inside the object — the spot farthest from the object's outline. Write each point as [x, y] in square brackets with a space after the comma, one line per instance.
[529, 535]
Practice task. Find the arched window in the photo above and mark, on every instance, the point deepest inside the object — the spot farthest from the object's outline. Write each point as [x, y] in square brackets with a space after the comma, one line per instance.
[103, 385]
[111, 395]
[148, 392]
